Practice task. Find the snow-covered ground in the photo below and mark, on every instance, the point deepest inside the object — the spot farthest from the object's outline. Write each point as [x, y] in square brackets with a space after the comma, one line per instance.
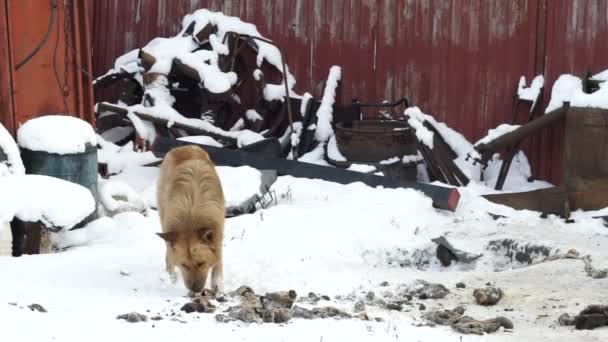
[320, 237]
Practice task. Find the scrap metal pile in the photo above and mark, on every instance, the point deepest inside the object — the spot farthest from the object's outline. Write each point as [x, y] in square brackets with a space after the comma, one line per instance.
[220, 84]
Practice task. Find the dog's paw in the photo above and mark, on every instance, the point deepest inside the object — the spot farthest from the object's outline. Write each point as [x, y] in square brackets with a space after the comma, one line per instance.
[173, 277]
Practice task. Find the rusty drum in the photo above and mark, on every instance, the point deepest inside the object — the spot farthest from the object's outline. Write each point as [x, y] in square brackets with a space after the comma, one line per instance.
[375, 140]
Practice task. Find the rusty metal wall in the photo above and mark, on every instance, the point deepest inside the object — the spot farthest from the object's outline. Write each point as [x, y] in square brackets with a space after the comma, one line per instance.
[459, 60]
[576, 36]
[6, 103]
[32, 90]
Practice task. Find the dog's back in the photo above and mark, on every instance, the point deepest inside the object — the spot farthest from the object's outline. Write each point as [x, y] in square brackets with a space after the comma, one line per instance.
[191, 208]
[189, 189]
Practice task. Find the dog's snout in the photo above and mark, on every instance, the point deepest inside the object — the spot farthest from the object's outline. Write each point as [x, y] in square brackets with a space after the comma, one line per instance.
[196, 286]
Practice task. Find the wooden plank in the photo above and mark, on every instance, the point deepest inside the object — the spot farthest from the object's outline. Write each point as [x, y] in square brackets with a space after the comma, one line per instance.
[574, 195]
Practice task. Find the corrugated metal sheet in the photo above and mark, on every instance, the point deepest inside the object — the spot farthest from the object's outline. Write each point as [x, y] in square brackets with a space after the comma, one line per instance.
[6, 103]
[32, 90]
[576, 35]
[458, 60]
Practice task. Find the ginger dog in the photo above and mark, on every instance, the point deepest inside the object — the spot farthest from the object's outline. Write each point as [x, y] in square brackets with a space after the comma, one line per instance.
[191, 209]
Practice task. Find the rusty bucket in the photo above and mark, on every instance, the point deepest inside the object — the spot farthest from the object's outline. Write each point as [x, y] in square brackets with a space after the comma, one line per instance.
[369, 141]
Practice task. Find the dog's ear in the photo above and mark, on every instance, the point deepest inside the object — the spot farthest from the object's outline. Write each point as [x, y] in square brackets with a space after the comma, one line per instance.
[170, 237]
[206, 235]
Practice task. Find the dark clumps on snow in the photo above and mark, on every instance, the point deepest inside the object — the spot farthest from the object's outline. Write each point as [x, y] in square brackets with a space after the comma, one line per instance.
[133, 317]
[592, 317]
[460, 285]
[488, 296]
[275, 307]
[422, 289]
[565, 319]
[313, 298]
[37, 307]
[467, 325]
[515, 251]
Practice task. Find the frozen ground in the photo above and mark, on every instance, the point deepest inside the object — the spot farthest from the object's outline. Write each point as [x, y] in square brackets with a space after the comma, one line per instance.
[320, 237]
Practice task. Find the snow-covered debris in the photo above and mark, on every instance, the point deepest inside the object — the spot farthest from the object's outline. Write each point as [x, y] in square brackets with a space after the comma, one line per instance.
[145, 129]
[212, 78]
[201, 139]
[413, 158]
[59, 134]
[562, 91]
[457, 142]
[224, 24]
[276, 92]
[496, 133]
[416, 121]
[166, 112]
[157, 89]
[569, 88]
[316, 156]
[325, 112]
[54, 202]
[530, 93]
[120, 157]
[252, 115]
[13, 163]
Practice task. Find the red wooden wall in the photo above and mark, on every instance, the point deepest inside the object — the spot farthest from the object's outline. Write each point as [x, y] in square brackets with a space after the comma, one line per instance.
[459, 60]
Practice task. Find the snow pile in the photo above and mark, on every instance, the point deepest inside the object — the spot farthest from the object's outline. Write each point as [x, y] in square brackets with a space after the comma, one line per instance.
[563, 90]
[569, 88]
[518, 178]
[55, 202]
[201, 139]
[119, 158]
[144, 129]
[333, 152]
[8, 147]
[252, 115]
[363, 168]
[325, 112]
[127, 63]
[116, 196]
[530, 93]
[239, 183]
[496, 133]
[59, 134]
[276, 92]
[416, 121]
[316, 156]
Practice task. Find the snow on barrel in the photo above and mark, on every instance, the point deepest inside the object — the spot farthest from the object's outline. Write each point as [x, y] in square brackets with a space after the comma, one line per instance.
[54, 202]
[61, 146]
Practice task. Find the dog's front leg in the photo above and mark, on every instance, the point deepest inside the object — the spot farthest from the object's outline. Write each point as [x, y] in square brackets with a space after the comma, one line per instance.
[217, 277]
[170, 266]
